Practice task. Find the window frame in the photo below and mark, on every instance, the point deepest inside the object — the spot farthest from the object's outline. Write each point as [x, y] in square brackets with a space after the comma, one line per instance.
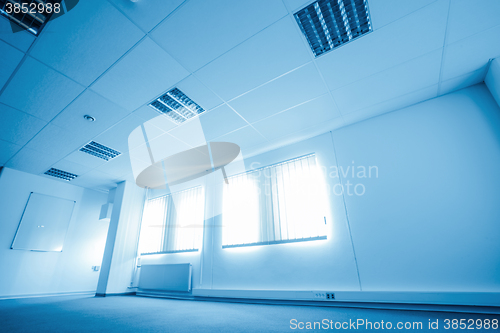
[281, 241]
[165, 235]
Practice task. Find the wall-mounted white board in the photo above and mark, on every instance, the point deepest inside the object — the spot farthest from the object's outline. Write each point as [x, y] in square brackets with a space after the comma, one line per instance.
[44, 223]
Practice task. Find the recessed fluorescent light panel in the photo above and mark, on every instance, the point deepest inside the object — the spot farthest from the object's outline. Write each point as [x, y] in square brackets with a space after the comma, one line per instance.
[327, 24]
[96, 149]
[177, 106]
[29, 15]
[60, 174]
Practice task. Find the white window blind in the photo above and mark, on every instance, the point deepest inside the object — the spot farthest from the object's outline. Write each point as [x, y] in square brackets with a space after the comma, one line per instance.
[277, 204]
[173, 223]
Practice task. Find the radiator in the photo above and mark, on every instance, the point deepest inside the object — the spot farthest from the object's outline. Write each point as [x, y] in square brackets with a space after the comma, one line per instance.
[176, 277]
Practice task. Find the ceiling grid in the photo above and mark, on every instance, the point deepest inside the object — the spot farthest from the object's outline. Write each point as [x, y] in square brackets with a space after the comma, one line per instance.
[257, 92]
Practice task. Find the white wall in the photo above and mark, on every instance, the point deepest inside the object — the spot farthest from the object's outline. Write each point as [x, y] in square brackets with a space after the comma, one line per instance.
[313, 265]
[27, 272]
[427, 221]
[430, 222]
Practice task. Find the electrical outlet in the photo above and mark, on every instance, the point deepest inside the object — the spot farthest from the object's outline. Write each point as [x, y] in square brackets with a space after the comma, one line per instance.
[323, 295]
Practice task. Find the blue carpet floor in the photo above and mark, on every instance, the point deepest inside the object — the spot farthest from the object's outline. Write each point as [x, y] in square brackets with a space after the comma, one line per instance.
[143, 314]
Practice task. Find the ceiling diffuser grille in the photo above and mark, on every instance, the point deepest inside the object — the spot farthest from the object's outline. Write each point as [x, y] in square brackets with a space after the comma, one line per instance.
[96, 149]
[328, 24]
[177, 106]
[31, 15]
[60, 174]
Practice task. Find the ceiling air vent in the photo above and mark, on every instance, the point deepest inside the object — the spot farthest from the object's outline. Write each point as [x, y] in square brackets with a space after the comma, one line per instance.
[328, 24]
[177, 106]
[96, 149]
[60, 174]
[31, 15]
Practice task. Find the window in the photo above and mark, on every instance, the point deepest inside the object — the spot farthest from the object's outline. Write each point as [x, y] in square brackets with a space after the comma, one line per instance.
[277, 204]
[173, 223]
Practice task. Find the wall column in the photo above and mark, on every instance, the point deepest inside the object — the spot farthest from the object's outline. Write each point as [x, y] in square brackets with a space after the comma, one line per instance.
[118, 262]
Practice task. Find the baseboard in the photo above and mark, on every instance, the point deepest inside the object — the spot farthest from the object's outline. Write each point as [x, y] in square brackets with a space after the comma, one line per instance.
[440, 298]
[448, 302]
[132, 293]
[69, 293]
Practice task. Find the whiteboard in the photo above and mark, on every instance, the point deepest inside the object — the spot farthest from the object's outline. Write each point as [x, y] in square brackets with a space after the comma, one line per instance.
[44, 223]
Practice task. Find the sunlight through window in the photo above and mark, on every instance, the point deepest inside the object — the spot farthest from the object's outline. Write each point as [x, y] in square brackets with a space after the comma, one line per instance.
[277, 204]
[173, 223]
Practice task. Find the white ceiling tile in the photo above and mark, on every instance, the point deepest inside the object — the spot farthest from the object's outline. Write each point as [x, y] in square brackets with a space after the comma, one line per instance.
[285, 92]
[161, 122]
[270, 53]
[190, 132]
[301, 135]
[220, 121]
[93, 179]
[103, 188]
[39, 90]
[201, 30]
[147, 14]
[410, 76]
[71, 167]
[117, 137]
[383, 12]
[146, 113]
[117, 167]
[471, 54]
[140, 76]
[468, 18]
[56, 141]
[164, 146]
[138, 166]
[244, 137]
[386, 47]
[18, 127]
[83, 43]
[462, 81]
[139, 158]
[314, 130]
[9, 58]
[295, 119]
[137, 138]
[155, 123]
[84, 159]
[391, 105]
[199, 93]
[21, 40]
[31, 161]
[105, 112]
[129, 178]
[7, 150]
[296, 5]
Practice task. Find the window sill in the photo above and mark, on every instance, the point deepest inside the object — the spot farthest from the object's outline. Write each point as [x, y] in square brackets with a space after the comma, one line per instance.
[167, 252]
[276, 242]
